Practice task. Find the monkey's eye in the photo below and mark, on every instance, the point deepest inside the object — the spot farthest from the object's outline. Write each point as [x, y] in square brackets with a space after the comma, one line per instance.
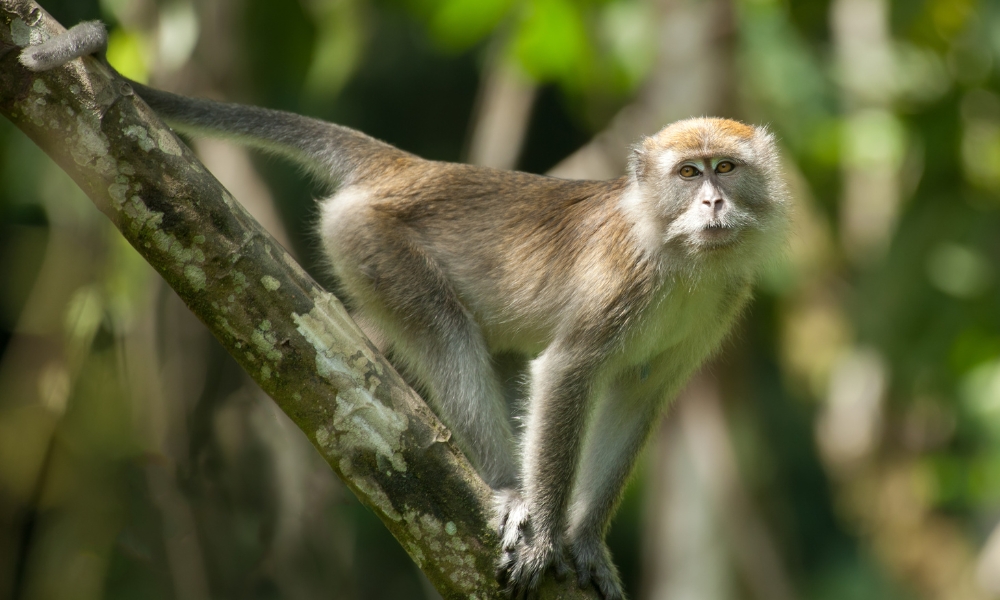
[725, 166]
[688, 171]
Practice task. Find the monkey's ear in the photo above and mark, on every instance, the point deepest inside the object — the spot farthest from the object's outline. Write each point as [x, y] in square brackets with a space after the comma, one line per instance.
[637, 161]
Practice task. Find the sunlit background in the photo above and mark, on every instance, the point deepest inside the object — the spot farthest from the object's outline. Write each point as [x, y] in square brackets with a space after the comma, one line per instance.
[845, 445]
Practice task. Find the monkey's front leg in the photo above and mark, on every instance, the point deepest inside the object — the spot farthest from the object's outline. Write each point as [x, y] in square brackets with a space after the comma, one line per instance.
[532, 523]
[620, 427]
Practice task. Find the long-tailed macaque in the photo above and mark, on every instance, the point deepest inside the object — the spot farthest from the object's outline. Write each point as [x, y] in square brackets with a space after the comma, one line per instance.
[613, 291]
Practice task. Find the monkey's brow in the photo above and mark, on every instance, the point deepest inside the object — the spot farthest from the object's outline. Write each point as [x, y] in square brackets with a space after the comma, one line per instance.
[709, 156]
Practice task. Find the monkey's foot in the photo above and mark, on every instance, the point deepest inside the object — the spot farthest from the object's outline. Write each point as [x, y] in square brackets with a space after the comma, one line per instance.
[520, 570]
[593, 564]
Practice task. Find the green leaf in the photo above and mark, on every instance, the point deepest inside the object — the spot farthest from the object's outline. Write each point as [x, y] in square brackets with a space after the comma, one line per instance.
[551, 42]
[459, 24]
[126, 53]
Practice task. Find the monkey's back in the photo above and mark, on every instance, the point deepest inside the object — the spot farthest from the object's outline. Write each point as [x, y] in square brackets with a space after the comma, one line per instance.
[520, 251]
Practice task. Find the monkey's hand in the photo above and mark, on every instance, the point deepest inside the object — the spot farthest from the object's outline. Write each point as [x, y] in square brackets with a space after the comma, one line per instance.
[512, 515]
[521, 569]
[524, 555]
[593, 564]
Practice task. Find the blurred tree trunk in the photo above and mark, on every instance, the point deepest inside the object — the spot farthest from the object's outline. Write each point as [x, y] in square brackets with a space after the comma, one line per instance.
[502, 114]
[874, 475]
[42, 365]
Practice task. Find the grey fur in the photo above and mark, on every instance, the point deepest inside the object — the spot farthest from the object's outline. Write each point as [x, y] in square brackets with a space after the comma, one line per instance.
[82, 39]
[612, 292]
[332, 153]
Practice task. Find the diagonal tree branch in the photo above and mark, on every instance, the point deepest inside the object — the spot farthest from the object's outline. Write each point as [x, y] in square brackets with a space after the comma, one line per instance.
[294, 338]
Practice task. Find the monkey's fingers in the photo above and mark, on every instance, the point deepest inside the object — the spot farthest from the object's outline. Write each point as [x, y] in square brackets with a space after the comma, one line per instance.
[514, 522]
[520, 571]
[520, 583]
[607, 585]
[510, 572]
[505, 567]
[599, 571]
[80, 40]
[610, 590]
[560, 566]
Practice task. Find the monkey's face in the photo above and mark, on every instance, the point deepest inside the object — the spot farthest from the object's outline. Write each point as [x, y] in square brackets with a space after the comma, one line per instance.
[713, 186]
[706, 211]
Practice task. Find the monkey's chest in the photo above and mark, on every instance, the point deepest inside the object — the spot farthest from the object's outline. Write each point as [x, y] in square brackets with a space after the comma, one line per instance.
[688, 320]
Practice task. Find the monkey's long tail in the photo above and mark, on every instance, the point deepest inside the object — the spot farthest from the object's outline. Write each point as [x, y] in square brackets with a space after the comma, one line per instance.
[331, 152]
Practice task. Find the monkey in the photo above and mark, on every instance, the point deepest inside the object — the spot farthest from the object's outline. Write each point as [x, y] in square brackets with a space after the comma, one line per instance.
[614, 292]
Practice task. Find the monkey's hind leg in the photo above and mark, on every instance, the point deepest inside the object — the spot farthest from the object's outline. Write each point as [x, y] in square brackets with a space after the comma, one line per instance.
[413, 306]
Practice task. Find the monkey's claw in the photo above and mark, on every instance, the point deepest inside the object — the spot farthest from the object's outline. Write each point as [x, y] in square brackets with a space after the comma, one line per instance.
[593, 564]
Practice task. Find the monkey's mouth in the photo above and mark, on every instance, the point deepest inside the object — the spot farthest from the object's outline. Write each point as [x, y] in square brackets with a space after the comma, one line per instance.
[718, 234]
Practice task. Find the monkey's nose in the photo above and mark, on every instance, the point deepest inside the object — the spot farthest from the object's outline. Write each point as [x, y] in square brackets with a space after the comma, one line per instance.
[714, 204]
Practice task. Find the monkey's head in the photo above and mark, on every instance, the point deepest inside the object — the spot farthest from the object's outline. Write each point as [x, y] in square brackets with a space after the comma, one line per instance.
[714, 191]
